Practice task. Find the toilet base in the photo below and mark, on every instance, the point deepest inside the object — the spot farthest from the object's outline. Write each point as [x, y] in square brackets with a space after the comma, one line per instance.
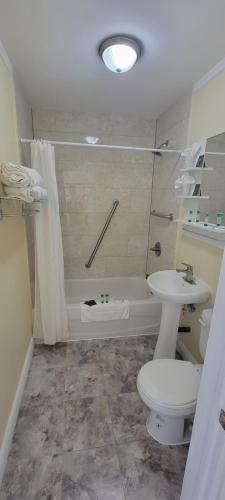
[169, 430]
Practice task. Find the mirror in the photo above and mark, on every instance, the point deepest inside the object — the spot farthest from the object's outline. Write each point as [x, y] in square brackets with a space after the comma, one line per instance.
[213, 182]
[212, 201]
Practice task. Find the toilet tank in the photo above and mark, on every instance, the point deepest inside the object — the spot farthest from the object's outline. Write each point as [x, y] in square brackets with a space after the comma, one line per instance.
[205, 322]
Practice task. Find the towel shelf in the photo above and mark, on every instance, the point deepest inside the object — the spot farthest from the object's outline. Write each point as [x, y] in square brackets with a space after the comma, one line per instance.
[23, 212]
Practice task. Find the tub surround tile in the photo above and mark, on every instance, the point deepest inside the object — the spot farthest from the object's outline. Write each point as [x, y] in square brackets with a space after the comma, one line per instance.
[88, 182]
[124, 266]
[83, 198]
[171, 125]
[173, 116]
[75, 268]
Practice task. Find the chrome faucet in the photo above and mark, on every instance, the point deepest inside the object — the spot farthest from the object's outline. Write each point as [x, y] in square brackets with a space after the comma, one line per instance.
[189, 277]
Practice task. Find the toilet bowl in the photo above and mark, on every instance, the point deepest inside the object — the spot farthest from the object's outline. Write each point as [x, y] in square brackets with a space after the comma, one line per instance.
[169, 388]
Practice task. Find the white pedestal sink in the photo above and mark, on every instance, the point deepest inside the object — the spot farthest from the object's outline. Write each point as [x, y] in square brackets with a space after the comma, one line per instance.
[174, 292]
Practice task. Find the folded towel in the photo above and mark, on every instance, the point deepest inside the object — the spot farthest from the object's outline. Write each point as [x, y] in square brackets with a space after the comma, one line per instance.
[198, 151]
[186, 184]
[116, 309]
[19, 176]
[195, 156]
[27, 194]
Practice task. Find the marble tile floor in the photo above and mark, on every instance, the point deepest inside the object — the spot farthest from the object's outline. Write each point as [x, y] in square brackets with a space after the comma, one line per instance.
[81, 430]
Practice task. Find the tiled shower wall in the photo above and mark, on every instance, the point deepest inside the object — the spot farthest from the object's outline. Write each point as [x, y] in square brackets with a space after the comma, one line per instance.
[89, 180]
[171, 125]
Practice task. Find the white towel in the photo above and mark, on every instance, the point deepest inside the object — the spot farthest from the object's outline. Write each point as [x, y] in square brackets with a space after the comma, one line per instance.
[19, 176]
[27, 194]
[194, 156]
[116, 309]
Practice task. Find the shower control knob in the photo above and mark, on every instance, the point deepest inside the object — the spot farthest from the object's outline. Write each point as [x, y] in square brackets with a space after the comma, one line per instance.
[157, 248]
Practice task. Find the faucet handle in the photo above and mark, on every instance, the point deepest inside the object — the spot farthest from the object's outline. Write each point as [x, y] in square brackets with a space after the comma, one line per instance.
[189, 266]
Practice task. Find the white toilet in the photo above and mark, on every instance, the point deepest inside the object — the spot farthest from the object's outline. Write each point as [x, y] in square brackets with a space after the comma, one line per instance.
[170, 388]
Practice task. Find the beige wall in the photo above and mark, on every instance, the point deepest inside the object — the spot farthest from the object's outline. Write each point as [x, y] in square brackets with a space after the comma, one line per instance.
[207, 111]
[89, 180]
[15, 307]
[25, 130]
[207, 120]
[171, 125]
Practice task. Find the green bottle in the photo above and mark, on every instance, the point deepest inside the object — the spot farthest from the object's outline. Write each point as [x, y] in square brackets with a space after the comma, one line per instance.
[190, 216]
[106, 298]
[102, 298]
[206, 220]
[219, 218]
[198, 216]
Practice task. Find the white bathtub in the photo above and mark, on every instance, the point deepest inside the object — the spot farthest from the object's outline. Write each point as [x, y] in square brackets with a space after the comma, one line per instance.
[145, 309]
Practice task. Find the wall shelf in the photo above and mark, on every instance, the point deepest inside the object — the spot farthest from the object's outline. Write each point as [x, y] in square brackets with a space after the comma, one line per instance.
[210, 234]
[26, 208]
[196, 170]
[192, 197]
[14, 198]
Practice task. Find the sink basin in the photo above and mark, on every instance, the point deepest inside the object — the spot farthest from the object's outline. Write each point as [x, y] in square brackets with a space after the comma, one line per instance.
[171, 287]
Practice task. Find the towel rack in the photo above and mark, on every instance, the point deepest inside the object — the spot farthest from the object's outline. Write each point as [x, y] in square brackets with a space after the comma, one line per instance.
[162, 216]
[24, 211]
[102, 234]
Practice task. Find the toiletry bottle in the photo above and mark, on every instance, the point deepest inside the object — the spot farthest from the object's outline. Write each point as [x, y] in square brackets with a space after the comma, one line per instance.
[206, 220]
[190, 216]
[219, 218]
[102, 298]
[198, 216]
[106, 298]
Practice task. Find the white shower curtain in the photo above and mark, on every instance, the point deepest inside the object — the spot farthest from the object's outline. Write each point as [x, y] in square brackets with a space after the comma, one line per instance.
[50, 316]
[204, 476]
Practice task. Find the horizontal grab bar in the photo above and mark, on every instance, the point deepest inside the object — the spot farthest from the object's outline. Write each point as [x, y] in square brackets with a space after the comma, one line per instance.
[108, 220]
[162, 216]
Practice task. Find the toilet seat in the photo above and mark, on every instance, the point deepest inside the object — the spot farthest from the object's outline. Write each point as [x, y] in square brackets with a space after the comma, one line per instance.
[170, 386]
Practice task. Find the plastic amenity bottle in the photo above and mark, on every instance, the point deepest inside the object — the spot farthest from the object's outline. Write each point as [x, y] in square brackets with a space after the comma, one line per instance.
[198, 216]
[190, 216]
[102, 298]
[219, 218]
[206, 220]
[106, 298]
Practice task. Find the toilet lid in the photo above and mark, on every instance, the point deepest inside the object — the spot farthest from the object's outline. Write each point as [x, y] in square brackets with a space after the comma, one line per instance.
[170, 382]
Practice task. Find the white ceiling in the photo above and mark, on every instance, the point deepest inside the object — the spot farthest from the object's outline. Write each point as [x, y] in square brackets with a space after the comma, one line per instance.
[53, 47]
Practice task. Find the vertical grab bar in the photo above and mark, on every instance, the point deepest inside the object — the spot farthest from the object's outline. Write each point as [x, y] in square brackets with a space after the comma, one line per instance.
[108, 220]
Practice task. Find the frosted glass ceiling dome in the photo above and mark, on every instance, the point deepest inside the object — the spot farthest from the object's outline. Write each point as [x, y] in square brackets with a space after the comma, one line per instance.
[120, 53]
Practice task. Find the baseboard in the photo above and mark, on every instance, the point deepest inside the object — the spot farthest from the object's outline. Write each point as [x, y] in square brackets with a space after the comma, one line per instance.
[185, 352]
[7, 439]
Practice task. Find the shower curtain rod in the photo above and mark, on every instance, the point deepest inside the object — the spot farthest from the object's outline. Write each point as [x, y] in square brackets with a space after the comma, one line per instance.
[106, 146]
[112, 146]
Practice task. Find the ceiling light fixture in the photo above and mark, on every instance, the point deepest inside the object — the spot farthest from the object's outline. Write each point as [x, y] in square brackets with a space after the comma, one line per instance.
[120, 53]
